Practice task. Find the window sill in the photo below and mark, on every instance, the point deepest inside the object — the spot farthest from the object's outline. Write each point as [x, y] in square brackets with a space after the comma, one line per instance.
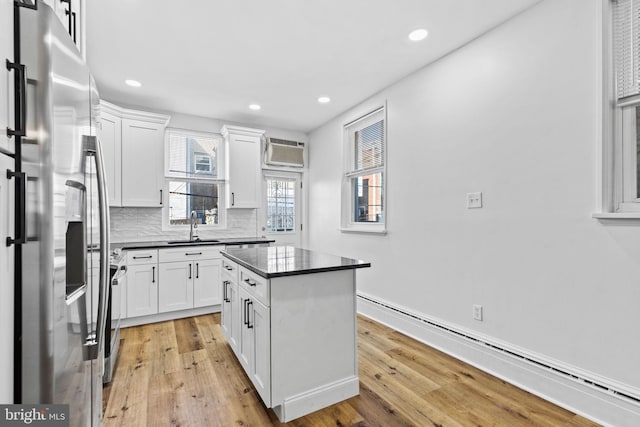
[616, 215]
[380, 231]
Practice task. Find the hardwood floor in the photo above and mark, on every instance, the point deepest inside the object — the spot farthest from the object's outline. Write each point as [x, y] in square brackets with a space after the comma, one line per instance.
[183, 373]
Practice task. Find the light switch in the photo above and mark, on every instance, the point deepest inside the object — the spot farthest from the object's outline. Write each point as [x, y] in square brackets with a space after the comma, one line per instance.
[474, 200]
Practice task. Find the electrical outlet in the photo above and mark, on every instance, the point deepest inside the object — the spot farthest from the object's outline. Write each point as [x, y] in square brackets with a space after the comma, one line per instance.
[474, 200]
[477, 312]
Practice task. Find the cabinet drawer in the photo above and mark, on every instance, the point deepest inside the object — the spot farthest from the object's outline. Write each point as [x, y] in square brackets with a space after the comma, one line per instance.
[188, 253]
[257, 286]
[230, 270]
[140, 257]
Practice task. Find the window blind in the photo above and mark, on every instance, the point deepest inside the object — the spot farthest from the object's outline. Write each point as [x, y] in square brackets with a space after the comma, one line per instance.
[188, 156]
[626, 23]
[369, 146]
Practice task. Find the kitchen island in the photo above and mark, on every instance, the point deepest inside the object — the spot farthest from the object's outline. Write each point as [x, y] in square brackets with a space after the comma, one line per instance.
[289, 314]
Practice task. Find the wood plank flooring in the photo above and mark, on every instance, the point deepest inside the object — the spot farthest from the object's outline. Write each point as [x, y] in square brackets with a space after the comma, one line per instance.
[183, 373]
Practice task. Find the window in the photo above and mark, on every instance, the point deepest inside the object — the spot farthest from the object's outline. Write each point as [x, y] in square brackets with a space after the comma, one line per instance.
[363, 199]
[281, 205]
[202, 163]
[621, 154]
[192, 178]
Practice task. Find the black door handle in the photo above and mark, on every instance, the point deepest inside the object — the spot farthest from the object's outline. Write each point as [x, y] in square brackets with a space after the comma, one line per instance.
[249, 325]
[69, 17]
[197, 270]
[20, 104]
[189, 270]
[73, 15]
[21, 205]
[153, 277]
[224, 291]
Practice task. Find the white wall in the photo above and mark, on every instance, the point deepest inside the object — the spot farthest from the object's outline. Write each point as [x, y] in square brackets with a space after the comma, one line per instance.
[513, 114]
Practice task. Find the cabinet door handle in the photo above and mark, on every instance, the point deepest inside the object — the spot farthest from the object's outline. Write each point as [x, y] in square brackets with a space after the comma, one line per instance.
[160, 196]
[142, 257]
[233, 199]
[249, 303]
[21, 206]
[189, 271]
[224, 291]
[20, 122]
[250, 282]
[68, 13]
[72, 24]
[197, 270]
[153, 277]
[192, 253]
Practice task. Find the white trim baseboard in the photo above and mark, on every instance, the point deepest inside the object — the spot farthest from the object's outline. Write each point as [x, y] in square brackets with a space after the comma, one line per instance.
[297, 406]
[170, 315]
[592, 397]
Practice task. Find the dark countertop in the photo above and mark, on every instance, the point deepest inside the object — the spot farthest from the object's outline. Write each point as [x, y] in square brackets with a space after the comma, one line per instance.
[164, 244]
[278, 261]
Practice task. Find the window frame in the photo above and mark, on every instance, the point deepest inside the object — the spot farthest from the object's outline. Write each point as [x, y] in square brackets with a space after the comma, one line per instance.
[198, 156]
[610, 162]
[197, 177]
[347, 223]
[283, 176]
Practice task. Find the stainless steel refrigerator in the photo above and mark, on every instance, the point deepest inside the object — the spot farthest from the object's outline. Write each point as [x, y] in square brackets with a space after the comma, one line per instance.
[63, 230]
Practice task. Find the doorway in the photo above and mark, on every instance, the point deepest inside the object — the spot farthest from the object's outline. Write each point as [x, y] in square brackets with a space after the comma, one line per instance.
[283, 207]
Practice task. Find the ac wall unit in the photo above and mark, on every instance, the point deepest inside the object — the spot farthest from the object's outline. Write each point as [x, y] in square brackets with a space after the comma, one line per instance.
[281, 152]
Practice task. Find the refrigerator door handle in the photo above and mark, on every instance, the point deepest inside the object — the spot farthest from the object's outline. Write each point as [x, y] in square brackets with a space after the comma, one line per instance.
[21, 205]
[96, 341]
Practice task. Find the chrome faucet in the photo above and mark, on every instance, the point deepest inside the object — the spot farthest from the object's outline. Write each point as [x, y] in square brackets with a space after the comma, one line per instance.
[193, 231]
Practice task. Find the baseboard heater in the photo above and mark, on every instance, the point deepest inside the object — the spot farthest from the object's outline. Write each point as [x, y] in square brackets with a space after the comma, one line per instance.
[595, 384]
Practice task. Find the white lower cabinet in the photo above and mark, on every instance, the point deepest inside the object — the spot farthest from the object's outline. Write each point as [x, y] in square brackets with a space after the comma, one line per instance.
[170, 280]
[7, 191]
[206, 282]
[142, 282]
[176, 290]
[260, 363]
[295, 336]
[142, 290]
[230, 321]
[190, 278]
[254, 350]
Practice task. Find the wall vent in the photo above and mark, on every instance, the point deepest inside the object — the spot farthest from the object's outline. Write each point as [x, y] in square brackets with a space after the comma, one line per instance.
[281, 152]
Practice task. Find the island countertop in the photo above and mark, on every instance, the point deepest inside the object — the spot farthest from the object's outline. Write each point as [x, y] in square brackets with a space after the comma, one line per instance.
[278, 261]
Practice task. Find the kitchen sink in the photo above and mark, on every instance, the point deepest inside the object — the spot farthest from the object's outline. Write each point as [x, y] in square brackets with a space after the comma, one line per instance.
[192, 242]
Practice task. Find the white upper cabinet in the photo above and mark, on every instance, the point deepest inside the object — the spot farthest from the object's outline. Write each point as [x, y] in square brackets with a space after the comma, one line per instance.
[142, 163]
[110, 136]
[6, 279]
[72, 15]
[6, 83]
[243, 166]
[133, 148]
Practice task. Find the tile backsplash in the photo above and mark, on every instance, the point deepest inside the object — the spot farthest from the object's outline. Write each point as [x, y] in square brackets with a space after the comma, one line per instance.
[145, 224]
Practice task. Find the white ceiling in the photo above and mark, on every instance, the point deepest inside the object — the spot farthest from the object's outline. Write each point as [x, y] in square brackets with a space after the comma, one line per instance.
[213, 58]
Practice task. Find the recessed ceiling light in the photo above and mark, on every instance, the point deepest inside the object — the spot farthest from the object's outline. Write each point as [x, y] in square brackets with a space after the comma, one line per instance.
[417, 35]
[324, 99]
[255, 107]
[133, 83]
